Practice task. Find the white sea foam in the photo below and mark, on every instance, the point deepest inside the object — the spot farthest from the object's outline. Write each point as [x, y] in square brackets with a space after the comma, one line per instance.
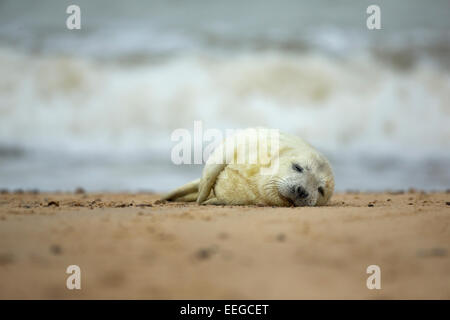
[335, 103]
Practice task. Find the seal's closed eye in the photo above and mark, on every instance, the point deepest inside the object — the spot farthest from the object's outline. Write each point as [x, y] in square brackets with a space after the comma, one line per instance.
[321, 191]
[296, 167]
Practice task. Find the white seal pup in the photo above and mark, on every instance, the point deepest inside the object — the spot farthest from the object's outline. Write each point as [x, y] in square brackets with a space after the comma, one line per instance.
[258, 167]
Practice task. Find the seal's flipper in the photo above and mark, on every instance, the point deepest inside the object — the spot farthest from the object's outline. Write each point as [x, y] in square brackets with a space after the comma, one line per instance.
[191, 197]
[209, 177]
[187, 189]
[214, 201]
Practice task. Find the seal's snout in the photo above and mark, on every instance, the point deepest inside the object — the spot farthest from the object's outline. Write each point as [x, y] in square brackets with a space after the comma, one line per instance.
[301, 192]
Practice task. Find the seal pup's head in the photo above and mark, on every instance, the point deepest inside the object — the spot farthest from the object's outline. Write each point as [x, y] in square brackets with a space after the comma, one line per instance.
[304, 180]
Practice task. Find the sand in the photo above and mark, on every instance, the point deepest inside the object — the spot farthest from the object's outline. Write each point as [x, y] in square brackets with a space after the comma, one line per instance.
[132, 247]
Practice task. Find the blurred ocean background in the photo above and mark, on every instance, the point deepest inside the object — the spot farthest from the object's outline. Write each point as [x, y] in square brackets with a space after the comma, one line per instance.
[95, 107]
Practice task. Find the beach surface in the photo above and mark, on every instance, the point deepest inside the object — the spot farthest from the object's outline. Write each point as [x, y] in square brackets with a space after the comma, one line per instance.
[132, 246]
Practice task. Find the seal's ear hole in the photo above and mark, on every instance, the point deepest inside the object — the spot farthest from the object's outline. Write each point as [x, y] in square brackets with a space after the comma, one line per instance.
[321, 191]
[296, 167]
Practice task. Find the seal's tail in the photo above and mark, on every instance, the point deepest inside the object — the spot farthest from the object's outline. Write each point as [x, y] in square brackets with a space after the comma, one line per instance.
[185, 193]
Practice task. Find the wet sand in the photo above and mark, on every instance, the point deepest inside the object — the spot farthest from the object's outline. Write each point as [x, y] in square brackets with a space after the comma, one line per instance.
[133, 247]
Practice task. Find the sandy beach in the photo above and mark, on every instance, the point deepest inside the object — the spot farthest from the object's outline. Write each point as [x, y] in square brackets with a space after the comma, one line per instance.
[132, 246]
[102, 111]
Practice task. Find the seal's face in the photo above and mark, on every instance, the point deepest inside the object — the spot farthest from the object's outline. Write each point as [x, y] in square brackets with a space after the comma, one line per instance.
[304, 182]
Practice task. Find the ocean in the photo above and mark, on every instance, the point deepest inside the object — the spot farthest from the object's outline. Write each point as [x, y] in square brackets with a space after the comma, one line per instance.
[95, 107]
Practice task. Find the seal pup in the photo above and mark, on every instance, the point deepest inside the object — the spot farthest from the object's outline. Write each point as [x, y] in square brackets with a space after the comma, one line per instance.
[253, 168]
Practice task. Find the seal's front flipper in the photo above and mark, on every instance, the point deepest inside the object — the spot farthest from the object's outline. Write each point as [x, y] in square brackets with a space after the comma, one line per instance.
[209, 177]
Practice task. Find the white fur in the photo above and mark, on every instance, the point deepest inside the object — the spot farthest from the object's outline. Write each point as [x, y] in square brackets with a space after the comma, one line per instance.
[269, 181]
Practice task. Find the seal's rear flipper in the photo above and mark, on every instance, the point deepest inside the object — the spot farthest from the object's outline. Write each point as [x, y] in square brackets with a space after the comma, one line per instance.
[191, 197]
[188, 192]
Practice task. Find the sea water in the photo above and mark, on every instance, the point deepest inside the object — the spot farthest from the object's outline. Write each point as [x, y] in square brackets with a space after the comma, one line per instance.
[96, 107]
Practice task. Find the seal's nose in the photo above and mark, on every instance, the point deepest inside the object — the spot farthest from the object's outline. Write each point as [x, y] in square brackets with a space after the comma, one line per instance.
[301, 192]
